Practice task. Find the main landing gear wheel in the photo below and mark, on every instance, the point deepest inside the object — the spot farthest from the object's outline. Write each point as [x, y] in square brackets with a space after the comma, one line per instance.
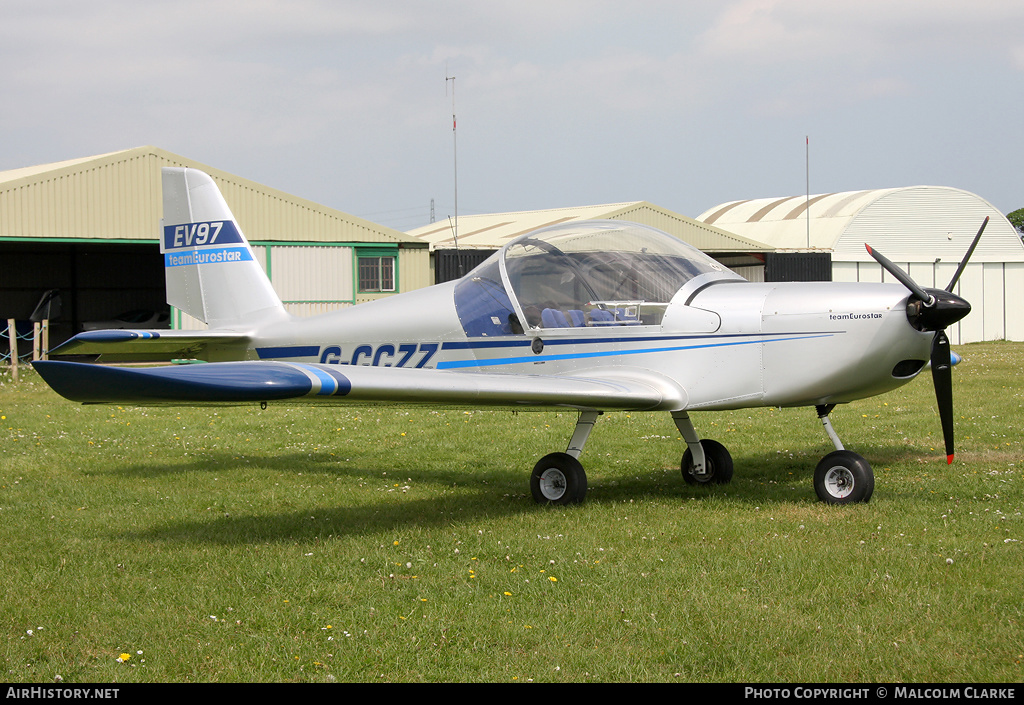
[558, 478]
[718, 464]
[843, 477]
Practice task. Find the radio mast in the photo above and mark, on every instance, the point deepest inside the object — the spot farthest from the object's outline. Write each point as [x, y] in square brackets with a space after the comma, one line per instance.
[455, 159]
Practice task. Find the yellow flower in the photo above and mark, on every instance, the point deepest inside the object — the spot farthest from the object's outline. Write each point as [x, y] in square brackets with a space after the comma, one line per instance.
[553, 579]
[123, 657]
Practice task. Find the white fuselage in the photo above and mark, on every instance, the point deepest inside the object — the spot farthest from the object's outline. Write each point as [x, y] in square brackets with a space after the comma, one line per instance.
[729, 345]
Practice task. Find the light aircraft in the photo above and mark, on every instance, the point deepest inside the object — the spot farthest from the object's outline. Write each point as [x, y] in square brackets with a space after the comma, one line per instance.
[593, 316]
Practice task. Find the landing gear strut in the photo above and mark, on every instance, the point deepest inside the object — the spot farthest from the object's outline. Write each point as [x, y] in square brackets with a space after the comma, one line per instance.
[559, 478]
[705, 461]
[842, 476]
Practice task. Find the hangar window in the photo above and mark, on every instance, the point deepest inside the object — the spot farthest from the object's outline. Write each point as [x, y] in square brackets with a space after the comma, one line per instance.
[376, 272]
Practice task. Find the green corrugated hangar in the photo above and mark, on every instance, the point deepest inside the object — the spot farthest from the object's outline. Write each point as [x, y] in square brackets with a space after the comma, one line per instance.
[89, 229]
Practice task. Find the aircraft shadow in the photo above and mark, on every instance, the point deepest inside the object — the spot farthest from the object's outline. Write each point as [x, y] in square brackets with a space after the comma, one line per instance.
[470, 494]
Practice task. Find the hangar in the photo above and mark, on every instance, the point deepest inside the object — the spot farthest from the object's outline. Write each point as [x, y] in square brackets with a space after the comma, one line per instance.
[89, 229]
[924, 229]
[480, 235]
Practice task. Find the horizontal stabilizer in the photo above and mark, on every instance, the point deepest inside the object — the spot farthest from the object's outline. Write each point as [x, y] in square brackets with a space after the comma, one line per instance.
[258, 381]
[150, 345]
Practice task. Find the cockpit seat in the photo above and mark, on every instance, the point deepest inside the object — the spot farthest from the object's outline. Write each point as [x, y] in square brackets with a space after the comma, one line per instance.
[553, 318]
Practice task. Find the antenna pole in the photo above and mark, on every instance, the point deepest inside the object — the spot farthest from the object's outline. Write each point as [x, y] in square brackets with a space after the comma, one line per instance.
[455, 160]
[807, 169]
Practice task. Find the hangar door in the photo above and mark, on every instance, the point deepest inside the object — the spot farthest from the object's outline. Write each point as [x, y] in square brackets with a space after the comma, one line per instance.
[95, 281]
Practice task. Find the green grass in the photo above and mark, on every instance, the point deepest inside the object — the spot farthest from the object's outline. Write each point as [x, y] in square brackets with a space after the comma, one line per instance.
[389, 544]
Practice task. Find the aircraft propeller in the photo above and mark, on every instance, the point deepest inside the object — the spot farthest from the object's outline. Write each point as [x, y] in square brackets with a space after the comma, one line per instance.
[934, 310]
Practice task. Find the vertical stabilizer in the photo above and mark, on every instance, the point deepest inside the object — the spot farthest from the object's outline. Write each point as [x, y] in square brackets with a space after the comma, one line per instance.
[211, 272]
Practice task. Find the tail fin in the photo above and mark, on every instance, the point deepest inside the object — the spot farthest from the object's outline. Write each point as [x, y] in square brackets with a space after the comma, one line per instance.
[211, 272]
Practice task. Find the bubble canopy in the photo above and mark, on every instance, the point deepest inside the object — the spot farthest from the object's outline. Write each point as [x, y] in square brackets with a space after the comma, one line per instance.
[585, 274]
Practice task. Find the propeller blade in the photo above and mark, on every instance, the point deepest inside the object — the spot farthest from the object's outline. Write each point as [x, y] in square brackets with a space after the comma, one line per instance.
[970, 251]
[942, 378]
[935, 312]
[901, 276]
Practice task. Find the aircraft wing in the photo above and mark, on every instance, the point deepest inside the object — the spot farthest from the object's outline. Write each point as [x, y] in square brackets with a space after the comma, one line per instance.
[147, 345]
[270, 381]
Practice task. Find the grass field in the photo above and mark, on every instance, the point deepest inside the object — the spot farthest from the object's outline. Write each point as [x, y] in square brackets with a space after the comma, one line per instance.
[393, 544]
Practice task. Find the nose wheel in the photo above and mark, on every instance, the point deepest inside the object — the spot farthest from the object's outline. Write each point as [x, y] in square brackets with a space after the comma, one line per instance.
[843, 477]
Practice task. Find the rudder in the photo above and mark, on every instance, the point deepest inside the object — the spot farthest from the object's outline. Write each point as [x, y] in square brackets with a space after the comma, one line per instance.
[212, 273]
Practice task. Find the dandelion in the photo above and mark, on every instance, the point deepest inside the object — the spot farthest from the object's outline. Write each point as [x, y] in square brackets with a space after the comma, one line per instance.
[553, 579]
[124, 658]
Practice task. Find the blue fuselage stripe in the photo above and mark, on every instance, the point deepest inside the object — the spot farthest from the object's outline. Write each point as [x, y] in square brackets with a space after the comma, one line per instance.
[461, 364]
[290, 351]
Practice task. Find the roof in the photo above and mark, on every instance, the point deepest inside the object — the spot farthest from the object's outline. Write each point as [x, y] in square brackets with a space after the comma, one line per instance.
[118, 196]
[914, 223]
[493, 230]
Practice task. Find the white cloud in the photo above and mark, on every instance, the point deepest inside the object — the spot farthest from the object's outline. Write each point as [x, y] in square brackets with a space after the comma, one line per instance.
[282, 91]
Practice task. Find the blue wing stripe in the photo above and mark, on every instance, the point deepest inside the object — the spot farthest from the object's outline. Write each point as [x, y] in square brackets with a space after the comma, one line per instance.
[331, 382]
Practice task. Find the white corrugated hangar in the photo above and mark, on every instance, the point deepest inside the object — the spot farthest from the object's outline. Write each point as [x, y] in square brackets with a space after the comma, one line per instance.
[90, 229]
[480, 235]
[926, 230]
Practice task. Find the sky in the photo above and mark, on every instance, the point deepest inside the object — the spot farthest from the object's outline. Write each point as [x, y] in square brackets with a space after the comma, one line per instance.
[686, 104]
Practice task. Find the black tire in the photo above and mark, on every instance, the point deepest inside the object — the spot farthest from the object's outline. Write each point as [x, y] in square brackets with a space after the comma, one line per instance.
[558, 478]
[717, 460]
[843, 477]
